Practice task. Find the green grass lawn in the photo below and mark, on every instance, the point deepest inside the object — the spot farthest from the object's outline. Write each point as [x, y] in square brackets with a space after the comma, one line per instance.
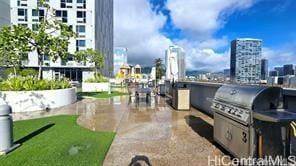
[100, 94]
[57, 141]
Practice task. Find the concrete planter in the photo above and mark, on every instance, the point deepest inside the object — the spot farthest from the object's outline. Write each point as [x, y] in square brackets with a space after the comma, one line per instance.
[26, 101]
[95, 87]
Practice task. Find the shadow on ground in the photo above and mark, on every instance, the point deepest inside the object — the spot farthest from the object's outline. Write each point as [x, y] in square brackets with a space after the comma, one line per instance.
[35, 133]
[204, 129]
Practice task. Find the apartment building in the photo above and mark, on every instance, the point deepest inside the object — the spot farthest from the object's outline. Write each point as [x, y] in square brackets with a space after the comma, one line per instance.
[92, 20]
[245, 60]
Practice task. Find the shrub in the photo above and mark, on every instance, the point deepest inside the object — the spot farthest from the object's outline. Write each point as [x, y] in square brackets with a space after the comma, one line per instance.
[20, 72]
[97, 79]
[29, 72]
[31, 83]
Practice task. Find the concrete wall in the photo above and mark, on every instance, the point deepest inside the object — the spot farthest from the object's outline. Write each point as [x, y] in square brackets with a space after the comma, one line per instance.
[95, 87]
[26, 101]
[202, 93]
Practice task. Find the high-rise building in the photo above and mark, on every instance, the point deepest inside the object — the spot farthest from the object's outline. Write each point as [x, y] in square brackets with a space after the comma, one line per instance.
[288, 69]
[178, 53]
[226, 73]
[92, 20]
[264, 69]
[280, 71]
[273, 73]
[4, 12]
[120, 58]
[245, 60]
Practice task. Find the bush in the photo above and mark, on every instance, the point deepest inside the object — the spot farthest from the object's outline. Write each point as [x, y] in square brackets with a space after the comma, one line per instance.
[20, 72]
[97, 79]
[29, 72]
[31, 83]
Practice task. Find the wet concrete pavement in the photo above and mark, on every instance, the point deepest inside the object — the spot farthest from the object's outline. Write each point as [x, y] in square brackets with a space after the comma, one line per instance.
[154, 134]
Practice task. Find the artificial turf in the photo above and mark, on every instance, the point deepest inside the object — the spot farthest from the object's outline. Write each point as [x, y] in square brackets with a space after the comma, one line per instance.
[57, 141]
[100, 94]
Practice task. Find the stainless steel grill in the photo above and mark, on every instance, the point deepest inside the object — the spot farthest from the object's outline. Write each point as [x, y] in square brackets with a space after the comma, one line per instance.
[248, 121]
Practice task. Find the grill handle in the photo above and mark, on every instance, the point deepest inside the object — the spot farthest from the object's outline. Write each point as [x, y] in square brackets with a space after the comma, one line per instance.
[228, 135]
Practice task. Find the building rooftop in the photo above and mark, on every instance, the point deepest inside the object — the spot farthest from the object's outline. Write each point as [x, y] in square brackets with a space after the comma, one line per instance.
[249, 39]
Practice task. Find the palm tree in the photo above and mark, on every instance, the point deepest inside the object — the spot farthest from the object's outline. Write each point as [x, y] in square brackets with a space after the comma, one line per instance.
[158, 68]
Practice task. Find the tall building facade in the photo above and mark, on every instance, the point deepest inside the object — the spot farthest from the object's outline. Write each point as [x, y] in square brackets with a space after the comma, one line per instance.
[104, 32]
[288, 69]
[264, 69]
[245, 60]
[179, 53]
[273, 73]
[120, 58]
[280, 71]
[4, 12]
[92, 20]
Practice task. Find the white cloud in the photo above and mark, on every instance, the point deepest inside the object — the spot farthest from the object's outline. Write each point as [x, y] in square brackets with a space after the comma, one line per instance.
[137, 27]
[201, 18]
[279, 57]
[201, 55]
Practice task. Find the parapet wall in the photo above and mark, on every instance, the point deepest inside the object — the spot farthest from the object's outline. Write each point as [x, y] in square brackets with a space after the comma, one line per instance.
[201, 94]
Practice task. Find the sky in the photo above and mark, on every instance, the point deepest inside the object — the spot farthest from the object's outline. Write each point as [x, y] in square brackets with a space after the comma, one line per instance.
[204, 28]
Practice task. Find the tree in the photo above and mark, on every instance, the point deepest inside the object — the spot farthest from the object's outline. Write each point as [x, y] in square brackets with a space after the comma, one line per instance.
[158, 68]
[51, 39]
[91, 56]
[13, 46]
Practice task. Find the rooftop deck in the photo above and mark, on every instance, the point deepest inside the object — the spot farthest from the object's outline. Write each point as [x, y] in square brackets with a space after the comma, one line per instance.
[155, 133]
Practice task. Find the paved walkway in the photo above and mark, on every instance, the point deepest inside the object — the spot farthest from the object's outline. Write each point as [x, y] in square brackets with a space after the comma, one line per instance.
[157, 134]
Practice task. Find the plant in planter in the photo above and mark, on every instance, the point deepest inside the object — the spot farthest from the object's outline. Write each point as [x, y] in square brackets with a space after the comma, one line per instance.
[97, 79]
[31, 83]
[92, 56]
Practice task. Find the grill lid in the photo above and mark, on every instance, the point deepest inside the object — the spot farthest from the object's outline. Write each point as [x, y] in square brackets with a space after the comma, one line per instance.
[249, 96]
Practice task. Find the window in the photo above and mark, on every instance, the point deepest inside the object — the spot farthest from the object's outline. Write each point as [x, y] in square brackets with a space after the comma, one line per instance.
[79, 44]
[66, 3]
[70, 57]
[81, 16]
[35, 27]
[81, 4]
[35, 12]
[80, 28]
[23, 14]
[22, 3]
[62, 14]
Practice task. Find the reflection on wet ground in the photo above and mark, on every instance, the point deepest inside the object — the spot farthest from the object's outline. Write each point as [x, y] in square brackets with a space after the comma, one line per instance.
[155, 132]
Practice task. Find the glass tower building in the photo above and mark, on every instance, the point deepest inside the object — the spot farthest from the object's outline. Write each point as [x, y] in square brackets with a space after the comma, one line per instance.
[4, 12]
[264, 69]
[288, 69]
[180, 54]
[245, 60]
[120, 58]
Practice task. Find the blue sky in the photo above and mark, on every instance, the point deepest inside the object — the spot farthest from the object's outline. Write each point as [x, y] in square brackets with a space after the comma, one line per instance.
[205, 28]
